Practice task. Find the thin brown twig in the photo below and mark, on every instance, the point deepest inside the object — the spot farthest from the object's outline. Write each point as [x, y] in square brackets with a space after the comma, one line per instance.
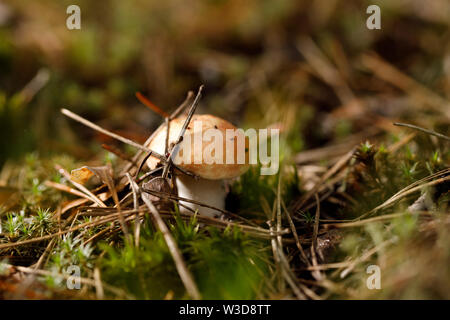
[335, 265]
[166, 143]
[148, 174]
[183, 106]
[191, 112]
[146, 102]
[175, 148]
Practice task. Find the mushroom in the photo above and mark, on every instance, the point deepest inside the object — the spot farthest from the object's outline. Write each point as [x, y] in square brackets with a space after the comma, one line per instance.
[208, 185]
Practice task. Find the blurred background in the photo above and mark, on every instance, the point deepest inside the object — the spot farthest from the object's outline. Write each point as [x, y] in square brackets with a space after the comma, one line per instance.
[312, 64]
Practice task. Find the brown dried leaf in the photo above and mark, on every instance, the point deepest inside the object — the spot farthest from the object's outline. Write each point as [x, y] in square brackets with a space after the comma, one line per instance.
[104, 173]
[81, 175]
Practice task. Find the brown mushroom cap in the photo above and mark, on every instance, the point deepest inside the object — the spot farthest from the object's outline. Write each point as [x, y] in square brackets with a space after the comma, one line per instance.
[213, 171]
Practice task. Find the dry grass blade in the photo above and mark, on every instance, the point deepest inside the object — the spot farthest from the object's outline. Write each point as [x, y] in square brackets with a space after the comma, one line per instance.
[73, 204]
[174, 197]
[370, 220]
[137, 222]
[289, 274]
[278, 203]
[183, 271]
[106, 177]
[396, 146]
[433, 133]
[439, 177]
[327, 266]
[142, 164]
[92, 196]
[281, 261]
[294, 232]
[231, 214]
[36, 84]
[333, 152]
[76, 117]
[335, 168]
[253, 231]
[366, 256]
[98, 284]
[166, 147]
[391, 74]
[436, 175]
[326, 71]
[63, 187]
[316, 274]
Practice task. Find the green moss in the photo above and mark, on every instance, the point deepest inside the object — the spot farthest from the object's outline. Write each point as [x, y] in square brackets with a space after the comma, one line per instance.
[225, 264]
[252, 188]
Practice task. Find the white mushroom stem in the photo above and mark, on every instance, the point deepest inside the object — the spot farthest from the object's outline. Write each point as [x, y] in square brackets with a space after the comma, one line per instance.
[210, 192]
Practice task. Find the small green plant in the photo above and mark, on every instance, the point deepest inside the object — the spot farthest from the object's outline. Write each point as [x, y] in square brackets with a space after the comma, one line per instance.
[43, 220]
[309, 218]
[17, 225]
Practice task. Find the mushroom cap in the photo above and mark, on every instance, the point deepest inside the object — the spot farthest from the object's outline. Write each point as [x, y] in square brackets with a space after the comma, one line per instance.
[212, 171]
